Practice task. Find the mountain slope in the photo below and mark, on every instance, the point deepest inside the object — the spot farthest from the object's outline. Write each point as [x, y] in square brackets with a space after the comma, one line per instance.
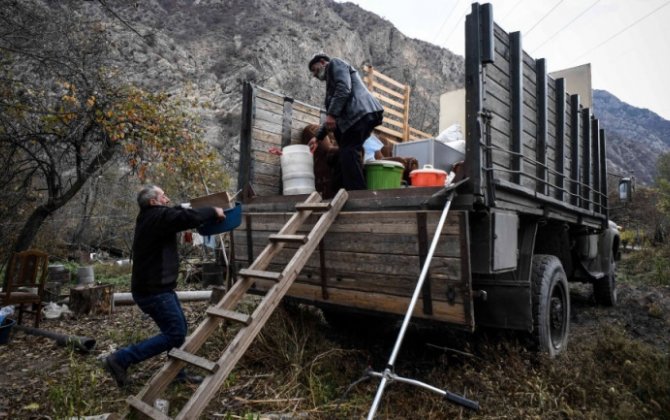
[635, 136]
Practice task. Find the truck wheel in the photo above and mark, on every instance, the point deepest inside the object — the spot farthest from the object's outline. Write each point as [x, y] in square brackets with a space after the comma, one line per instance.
[551, 304]
[604, 289]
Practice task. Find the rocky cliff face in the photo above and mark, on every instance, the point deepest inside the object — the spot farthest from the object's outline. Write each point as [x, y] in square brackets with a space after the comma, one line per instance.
[206, 49]
[635, 136]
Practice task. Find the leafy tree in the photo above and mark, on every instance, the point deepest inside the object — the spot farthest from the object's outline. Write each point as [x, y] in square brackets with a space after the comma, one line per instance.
[67, 113]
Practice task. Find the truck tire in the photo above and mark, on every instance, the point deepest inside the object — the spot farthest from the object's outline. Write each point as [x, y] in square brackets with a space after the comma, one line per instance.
[551, 304]
[604, 289]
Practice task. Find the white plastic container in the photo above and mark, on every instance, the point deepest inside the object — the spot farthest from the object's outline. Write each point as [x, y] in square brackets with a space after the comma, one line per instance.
[85, 275]
[297, 167]
[429, 152]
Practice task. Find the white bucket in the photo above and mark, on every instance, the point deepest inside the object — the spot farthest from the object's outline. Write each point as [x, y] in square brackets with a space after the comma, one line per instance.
[297, 166]
[85, 275]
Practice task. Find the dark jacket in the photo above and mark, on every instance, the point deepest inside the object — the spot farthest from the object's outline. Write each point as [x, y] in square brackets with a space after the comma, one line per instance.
[155, 256]
[347, 98]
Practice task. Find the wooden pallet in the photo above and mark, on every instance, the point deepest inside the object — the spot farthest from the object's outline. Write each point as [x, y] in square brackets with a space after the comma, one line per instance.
[218, 371]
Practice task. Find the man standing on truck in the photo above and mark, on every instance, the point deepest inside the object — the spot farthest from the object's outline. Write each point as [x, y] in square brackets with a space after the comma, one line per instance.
[351, 114]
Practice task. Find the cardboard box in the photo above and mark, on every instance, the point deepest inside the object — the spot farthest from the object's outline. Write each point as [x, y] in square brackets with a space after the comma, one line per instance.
[221, 199]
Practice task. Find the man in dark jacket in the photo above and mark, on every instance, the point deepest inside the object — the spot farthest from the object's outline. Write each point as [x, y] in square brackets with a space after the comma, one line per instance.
[154, 277]
[351, 113]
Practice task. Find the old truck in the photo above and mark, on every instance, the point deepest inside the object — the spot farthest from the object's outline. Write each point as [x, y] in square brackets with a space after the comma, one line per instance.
[530, 217]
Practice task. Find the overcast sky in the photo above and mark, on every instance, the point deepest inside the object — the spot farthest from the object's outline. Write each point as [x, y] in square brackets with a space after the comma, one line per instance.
[626, 41]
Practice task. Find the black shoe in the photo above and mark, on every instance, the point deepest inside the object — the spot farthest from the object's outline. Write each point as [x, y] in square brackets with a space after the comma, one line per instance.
[187, 378]
[118, 373]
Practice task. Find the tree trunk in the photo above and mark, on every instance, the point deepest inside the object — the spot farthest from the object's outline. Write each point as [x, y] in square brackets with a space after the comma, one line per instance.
[34, 222]
[31, 227]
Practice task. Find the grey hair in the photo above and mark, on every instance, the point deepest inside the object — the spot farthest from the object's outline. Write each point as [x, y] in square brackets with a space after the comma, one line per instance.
[146, 194]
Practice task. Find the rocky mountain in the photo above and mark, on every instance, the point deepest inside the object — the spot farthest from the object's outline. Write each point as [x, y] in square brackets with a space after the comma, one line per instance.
[206, 50]
[635, 136]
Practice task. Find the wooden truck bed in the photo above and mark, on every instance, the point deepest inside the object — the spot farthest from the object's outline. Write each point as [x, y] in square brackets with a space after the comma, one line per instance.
[372, 255]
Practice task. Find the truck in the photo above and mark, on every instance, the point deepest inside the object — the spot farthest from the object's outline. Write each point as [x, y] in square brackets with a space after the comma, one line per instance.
[529, 216]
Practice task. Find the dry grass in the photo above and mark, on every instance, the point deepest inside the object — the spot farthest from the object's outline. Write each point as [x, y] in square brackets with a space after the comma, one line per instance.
[616, 366]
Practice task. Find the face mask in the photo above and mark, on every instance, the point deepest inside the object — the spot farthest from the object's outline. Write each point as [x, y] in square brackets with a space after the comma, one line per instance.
[321, 75]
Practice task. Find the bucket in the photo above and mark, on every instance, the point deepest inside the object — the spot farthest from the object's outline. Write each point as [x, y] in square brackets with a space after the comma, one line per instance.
[85, 275]
[383, 174]
[232, 220]
[428, 177]
[297, 167]
[6, 329]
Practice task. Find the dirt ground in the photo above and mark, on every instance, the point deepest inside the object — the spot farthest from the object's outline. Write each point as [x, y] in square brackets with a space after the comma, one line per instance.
[300, 367]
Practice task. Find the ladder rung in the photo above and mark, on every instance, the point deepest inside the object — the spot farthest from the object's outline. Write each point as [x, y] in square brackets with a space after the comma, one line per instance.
[146, 409]
[313, 206]
[259, 274]
[194, 360]
[288, 238]
[231, 315]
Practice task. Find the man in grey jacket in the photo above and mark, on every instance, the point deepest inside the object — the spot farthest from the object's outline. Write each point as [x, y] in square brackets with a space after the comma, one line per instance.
[351, 114]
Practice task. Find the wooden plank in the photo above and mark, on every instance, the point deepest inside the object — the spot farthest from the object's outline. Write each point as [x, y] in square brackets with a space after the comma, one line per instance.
[387, 130]
[267, 116]
[516, 79]
[541, 133]
[397, 94]
[270, 127]
[273, 107]
[260, 274]
[405, 121]
[384, 248]
[393, 122]
[266, 169]
[560, 131]
[381, 302]
[391, 111]
[387, 100]
[301, 119]
[146, 409]
[269, 96]
[401, 286]
[362, 222]
[258, 134]
[586, 158]
[360, 263]
[194, 360]
[230, 315]
[268, 158]
[288, 238]
[313, 206]
[382, 76]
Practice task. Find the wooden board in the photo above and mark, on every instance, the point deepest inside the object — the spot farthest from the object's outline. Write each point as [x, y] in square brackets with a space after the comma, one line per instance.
[372, 253]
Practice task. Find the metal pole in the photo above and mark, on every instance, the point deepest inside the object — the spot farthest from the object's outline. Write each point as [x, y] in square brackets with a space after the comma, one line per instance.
[410, 309]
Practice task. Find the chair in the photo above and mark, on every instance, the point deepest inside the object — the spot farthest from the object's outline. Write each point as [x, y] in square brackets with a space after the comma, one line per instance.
[24, 283]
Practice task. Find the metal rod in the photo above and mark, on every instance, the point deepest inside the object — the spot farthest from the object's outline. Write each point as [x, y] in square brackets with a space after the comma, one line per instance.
[410, 309]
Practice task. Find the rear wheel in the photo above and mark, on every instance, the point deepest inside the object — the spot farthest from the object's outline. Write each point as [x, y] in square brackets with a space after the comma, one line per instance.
[551, 304]
[604, 289]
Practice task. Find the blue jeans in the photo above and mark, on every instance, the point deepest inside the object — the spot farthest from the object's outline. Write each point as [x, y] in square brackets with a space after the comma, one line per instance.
[165, 310]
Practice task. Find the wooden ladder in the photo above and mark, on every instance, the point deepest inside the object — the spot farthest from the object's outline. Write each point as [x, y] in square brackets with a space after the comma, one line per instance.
[224, 310]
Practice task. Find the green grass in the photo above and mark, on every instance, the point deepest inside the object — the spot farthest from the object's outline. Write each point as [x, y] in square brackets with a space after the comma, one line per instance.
[647, 266]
